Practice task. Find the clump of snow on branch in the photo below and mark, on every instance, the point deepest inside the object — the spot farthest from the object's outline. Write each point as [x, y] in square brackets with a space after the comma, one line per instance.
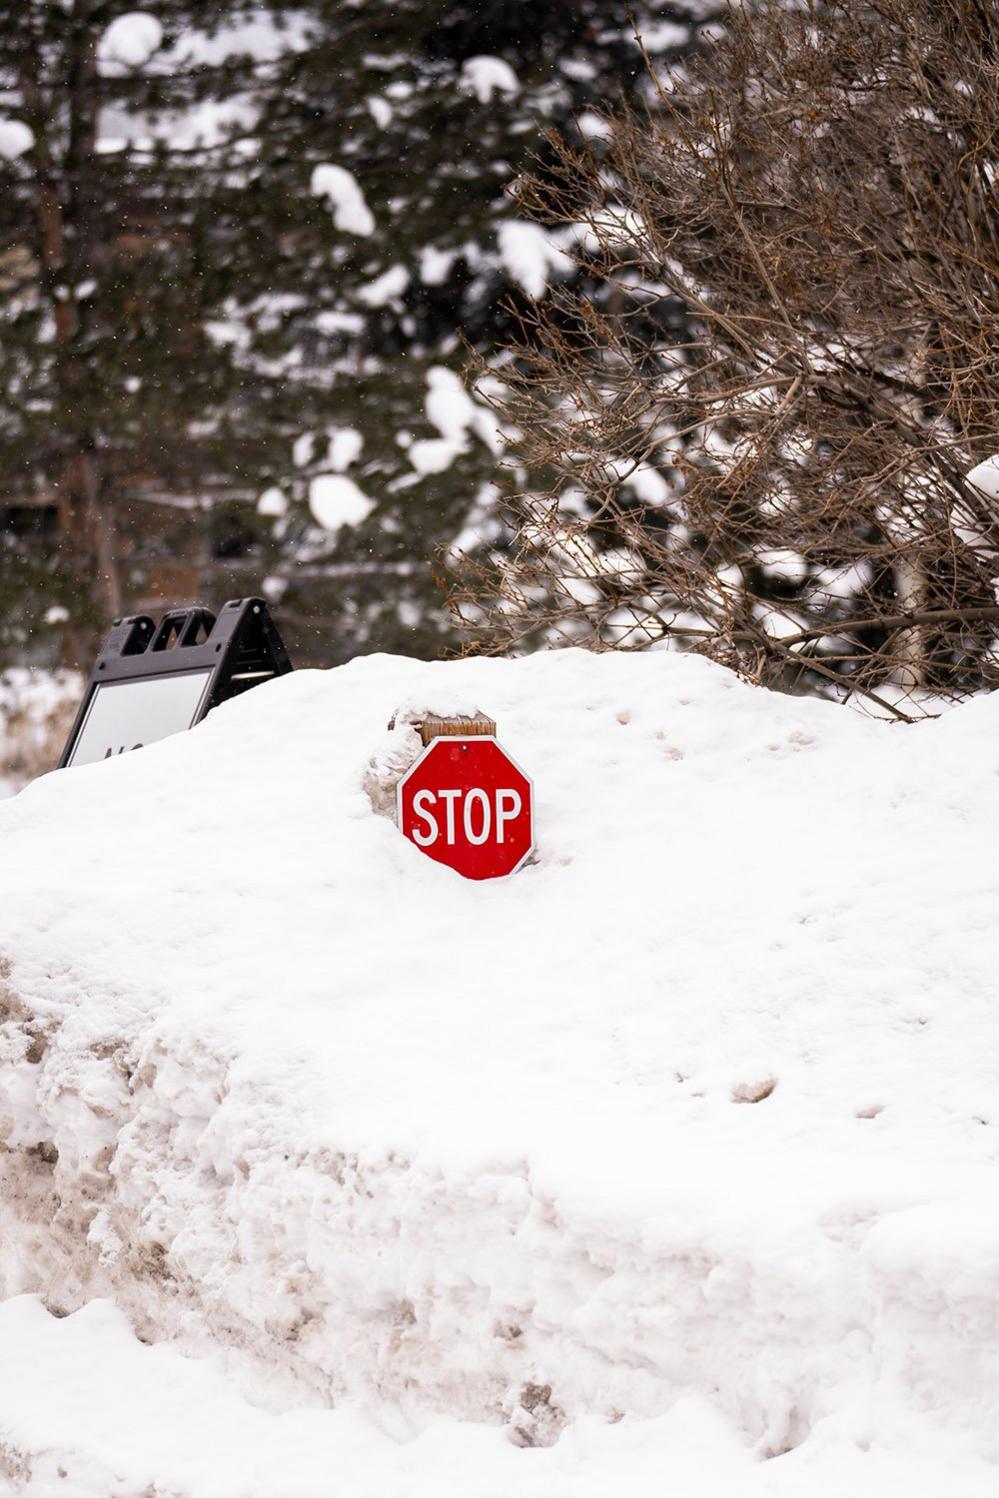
[530, 256]
[272, 503]
[336, 500]
[343, 192]
[380, 110]
[385, 288]
[131, 39]
[455, 414]
[345, 447]
[664, 36]
[15, 138]
[435, 264]
[485, 76]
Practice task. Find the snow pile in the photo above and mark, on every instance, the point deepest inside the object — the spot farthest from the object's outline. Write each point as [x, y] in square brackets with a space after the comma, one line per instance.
[669, 1161]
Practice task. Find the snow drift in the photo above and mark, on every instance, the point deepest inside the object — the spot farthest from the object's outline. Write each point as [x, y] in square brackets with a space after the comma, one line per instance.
[667, 1164]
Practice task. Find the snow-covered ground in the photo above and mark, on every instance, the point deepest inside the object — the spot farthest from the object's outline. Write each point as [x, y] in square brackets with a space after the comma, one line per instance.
[665, 1167]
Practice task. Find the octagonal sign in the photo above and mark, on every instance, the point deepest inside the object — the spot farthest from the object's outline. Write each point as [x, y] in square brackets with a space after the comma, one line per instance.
[467, 804]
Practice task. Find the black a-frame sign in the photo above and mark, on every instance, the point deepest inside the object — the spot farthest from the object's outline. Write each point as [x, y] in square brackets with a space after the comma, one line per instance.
[149, 682]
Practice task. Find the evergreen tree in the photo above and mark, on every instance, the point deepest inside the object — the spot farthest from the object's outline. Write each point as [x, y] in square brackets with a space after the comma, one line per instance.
[241, 248]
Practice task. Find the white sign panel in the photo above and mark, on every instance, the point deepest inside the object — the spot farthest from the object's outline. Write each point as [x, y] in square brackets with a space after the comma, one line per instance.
[126, 715]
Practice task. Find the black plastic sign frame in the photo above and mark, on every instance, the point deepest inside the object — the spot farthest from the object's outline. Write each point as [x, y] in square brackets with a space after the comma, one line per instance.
[204, 659]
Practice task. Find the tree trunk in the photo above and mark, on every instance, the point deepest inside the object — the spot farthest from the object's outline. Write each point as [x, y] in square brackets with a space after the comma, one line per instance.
[88, 541]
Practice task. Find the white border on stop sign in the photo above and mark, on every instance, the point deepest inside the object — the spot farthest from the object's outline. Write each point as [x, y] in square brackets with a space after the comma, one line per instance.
[467, 738]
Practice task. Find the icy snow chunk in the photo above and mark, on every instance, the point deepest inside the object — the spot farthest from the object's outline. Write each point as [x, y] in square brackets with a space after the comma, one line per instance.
[272, 502]
[344, 449]
[383, 288]
[336, 500]
[529, 255]
[131, 39]
[15, 138]
[331, 1086]
[301, 452]
[350, 211]
[483, 76]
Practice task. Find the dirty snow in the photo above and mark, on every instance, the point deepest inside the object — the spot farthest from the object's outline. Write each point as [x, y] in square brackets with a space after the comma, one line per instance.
[666, 1165]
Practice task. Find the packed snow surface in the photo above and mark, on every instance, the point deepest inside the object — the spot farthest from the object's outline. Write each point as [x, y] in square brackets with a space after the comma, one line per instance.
[665, 1166]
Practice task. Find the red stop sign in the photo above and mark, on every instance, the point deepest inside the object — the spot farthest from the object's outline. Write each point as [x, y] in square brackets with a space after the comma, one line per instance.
[467, 804]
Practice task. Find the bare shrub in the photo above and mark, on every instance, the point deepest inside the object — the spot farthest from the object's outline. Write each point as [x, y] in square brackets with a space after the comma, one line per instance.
[755, 422]
[36, 714]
